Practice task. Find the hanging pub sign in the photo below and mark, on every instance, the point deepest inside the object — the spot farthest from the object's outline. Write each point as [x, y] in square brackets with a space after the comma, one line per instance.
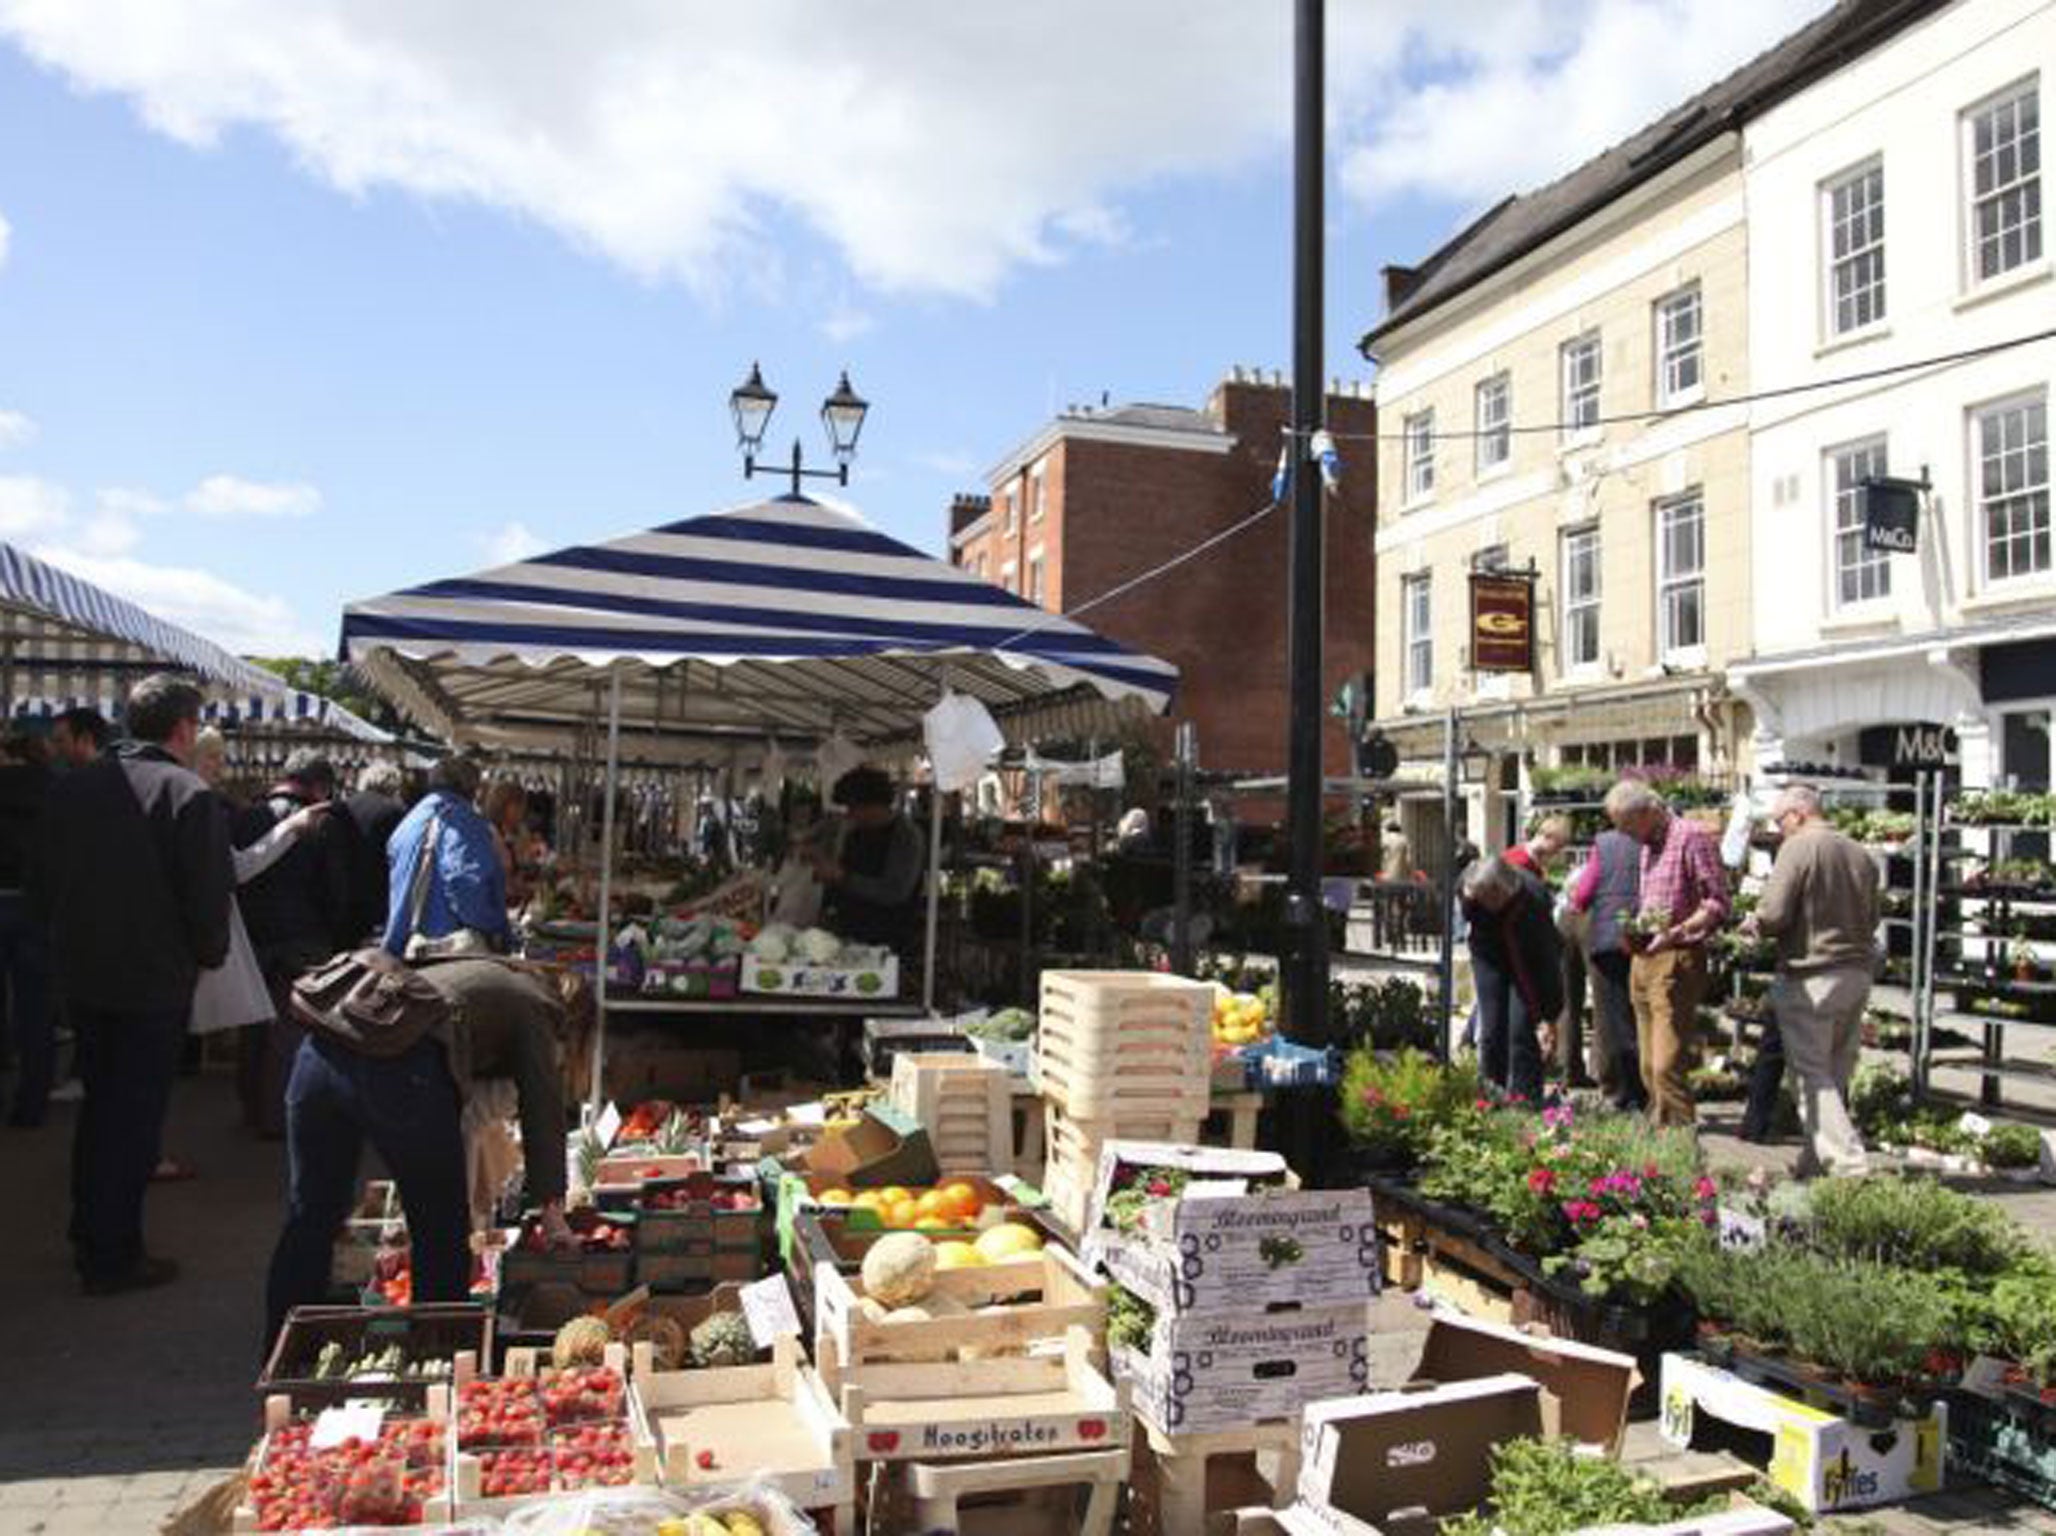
[1891, 514]
[1502, 621]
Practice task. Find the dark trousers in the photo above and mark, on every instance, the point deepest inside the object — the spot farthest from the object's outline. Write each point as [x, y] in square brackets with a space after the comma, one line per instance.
[126, 1064]
[25, 967]
[406, 1107]
[1509, 1054]
[1620, 1059]
[1766, 1079]
[1570, 1024]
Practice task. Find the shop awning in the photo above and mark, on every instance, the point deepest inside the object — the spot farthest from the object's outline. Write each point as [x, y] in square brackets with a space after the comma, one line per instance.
[65, 641]
[791, 617]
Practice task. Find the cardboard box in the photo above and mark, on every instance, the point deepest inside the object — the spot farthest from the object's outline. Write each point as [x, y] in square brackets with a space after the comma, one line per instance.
[1585, 1389]
[883, 1147]
[875, 977]
[1206, 1253]
[1225, 1370]
[1220, 1169]
[1399, 1461]
[1824, 1461]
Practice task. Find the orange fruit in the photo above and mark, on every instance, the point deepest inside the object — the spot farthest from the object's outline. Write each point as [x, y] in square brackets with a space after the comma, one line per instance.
[897, 1216]
[933, 1205]
[961, 1201]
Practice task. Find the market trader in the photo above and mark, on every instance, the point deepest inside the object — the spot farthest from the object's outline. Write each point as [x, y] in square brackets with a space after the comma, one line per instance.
[459, 879]
[135, 876]
[874, 876]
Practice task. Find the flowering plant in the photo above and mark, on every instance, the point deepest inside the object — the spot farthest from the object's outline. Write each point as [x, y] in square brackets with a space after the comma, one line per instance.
[1393, 1104]
[1610, 1202]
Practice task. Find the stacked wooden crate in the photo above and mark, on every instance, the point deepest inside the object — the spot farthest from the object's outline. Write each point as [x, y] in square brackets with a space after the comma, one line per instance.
[966, 1103]
[1121, 1056]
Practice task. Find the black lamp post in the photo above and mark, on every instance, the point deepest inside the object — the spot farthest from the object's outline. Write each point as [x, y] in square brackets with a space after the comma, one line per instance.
[751, 403]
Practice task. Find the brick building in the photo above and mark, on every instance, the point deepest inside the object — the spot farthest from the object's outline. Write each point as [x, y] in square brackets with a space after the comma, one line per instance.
[1098, 496]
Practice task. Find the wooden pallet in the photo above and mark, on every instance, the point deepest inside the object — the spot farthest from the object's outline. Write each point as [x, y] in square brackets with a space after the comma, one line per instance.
[1072, 1494]
[1181, 1480]
[967, 1105]
[1119, 1043]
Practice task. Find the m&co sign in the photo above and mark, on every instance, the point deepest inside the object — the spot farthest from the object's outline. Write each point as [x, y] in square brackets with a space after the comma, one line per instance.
[1502, 622]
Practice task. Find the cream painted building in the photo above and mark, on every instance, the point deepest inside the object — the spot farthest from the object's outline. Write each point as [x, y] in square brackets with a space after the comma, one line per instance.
[1560, 391]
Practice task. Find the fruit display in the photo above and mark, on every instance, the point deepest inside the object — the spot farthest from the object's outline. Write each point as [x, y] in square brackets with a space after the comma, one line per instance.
[579, 1395]
[722, 1197]
[497, 1414]
[335, 1363]
[723, 1339]
[658, 1124]
[952, 1206]
[386, 1481]
[392, 1278]
[1244, 1018]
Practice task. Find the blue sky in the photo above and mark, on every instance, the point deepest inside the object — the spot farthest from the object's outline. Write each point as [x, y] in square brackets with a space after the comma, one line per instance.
[302, 307]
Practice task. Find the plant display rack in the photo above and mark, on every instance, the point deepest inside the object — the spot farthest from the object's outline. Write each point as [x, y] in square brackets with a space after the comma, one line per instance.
[1173, 1474]
[1986, 935]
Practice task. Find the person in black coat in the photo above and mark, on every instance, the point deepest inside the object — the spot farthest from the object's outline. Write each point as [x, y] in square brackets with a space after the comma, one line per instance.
[298, 914]
[374, 810]
[134, 876]
[24, 944]
[1517, 968]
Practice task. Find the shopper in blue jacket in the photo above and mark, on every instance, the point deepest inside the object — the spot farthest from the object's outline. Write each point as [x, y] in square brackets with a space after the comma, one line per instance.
[466, 884]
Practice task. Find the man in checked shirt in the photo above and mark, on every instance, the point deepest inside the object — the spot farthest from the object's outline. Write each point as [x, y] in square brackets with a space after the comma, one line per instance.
[1682, 878]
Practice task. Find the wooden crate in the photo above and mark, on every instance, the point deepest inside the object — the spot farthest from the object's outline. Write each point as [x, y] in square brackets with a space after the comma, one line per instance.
[456, 1332]
[1113, 1043]
[1072, 1145]
[774, 1424]
[1020, 1405]
[1072, 1494]
[1035, 1298]
[1180, 1480]
[966, 1103]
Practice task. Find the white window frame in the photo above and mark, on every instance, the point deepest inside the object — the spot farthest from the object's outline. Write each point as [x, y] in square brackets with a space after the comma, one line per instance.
[1035, 491]
[2027, 186]
[1674, 582]
[1008, 571]
[1417, 435]
[2017, 456]
[1038, 574]
[1674, 355]
[1417, 633]
[1847, 554]
[1495, 430]
[1573, 544]
[1009, 512]
[1572, 400]
[1874, 293]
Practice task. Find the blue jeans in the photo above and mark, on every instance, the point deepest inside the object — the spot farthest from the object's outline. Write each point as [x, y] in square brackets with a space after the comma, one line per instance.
[407, 1107]
[1509, 1054]
[25, 967]
[126, 1064]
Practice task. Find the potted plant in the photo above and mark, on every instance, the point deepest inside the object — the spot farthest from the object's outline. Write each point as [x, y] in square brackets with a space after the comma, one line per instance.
[2021, 958]
[1641, 929]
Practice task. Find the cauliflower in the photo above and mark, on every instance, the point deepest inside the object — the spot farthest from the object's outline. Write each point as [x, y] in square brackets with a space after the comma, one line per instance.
[819, 946]
[774, 944]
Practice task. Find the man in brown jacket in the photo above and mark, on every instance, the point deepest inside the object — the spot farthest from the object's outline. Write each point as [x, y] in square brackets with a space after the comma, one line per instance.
[1821, 905]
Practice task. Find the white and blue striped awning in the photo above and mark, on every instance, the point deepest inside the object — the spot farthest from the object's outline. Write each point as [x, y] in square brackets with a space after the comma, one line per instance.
[791, 616]
[65, 642]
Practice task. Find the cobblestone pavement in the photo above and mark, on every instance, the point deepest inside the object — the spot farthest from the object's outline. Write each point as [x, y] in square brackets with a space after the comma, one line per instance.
[117, 1411]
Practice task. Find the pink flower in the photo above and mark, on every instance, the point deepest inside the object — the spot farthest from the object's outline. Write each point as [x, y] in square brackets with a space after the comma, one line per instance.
[1705, 1188]
[1481, 1104]
[1651, 1171]
[1596, 1185]
[1541, 1180]
[1639, 1222]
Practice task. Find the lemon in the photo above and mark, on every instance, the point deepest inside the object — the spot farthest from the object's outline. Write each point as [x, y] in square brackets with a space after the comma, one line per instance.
[957, 1254]
[1008, 1240]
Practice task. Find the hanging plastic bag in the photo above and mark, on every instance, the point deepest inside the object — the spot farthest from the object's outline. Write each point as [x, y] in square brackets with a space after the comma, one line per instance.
[961, 737]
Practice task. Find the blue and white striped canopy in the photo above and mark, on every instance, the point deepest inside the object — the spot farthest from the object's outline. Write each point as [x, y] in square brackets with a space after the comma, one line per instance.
[792, 616]
[68, 642]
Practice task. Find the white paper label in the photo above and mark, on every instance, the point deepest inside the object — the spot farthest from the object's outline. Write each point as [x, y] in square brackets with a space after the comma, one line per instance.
[355, 1419]
[767, 1306]
[1985, 1376]
[808, 1114]
[608, 1125]
[1976, 1124]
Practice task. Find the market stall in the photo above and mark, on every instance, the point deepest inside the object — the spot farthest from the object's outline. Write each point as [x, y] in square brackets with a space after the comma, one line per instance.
[65, 642]
[784, 623]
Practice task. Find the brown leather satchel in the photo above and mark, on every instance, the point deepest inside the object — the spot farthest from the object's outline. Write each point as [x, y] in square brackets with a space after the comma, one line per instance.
[372, 1002]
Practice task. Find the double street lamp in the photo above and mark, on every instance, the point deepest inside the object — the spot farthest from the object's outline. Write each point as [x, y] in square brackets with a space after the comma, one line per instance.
[842, 413]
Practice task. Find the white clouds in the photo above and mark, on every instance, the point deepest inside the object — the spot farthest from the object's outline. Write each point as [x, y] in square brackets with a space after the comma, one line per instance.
[243, 621]
[510, 543]
[233, 496]
[1518, 103]
[16, 429]
[936, 145]
[30, 505]
[846, 323]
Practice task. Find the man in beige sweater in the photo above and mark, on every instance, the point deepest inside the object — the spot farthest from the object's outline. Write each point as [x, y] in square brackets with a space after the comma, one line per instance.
[1821, 905]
